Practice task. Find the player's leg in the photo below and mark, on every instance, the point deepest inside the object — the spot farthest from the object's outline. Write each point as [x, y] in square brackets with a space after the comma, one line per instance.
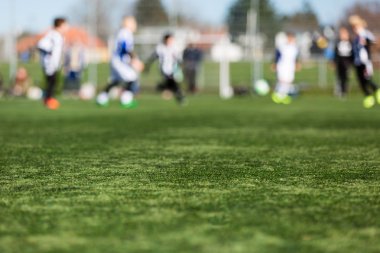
[363, 82]
[50, 101]
[281, 95]
[375, 89]
[343, 78]
[369, 100]
[176, 89]
[103, 98]
[127, 99]
[285, 79]
[131, 85]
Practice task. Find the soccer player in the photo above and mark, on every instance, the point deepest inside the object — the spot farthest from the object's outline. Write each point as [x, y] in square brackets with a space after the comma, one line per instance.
[343, 60]
[285, 66]
[169, 62]
[51, 51]
[125, 66]
[362, 61]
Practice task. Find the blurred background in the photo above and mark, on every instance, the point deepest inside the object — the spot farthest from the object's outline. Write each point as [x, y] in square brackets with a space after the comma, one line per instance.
[240, 32]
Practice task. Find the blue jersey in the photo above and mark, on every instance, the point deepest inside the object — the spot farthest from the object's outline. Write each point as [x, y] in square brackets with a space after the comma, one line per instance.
[124, 46]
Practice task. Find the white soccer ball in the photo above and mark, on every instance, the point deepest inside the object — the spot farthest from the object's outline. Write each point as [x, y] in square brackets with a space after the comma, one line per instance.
[102, 99]
[34, 93]
[261, 87]
[126, 98]
[87, 92]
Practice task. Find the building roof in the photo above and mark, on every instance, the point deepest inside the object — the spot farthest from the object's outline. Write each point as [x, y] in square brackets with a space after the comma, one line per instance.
[74, 35]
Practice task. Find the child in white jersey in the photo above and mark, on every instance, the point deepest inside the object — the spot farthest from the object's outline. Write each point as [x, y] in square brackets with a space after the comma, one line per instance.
[169, 61]
[286, 64]
[51, 51]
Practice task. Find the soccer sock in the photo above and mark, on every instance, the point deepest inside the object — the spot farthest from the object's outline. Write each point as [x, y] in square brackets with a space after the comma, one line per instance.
[283, 89]
[110, 86]
[51, 81]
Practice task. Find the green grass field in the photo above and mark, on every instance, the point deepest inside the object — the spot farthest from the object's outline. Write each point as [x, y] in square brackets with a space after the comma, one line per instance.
[243, 175]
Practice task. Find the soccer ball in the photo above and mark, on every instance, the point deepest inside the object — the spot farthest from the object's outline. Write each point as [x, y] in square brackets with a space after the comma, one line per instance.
[261, 87]
[87, 91]
[102, 99]
[34, 93]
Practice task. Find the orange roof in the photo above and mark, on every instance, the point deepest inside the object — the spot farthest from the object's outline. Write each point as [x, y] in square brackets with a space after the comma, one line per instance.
[74, 35]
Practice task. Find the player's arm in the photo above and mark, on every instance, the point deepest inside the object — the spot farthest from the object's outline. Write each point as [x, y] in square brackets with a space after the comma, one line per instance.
[277, 57]
[153, 57]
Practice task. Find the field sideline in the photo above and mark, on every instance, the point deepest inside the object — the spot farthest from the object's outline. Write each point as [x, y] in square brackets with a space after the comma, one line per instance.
[243, 175]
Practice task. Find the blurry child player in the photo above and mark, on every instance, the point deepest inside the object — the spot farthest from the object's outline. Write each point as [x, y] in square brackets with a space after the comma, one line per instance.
[125, 67]
[343, 60]
[74, 66]
[169, 62]
[286, 64]
[51, 51]
[362, 61]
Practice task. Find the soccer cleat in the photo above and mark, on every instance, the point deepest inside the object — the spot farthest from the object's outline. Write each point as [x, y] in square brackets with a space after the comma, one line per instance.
[378, 96]
[131, 105]
[276, 98]
[369, 102]
[280, 99]
[102, 99]
[287, 100]
[52, 104]
[127, 100]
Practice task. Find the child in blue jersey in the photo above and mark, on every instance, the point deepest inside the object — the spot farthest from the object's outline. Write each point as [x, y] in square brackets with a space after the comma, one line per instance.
[362, 61]
[285, 66]
[125, 66]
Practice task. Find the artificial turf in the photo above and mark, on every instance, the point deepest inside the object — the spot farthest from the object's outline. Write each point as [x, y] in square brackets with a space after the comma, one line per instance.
[243, 175]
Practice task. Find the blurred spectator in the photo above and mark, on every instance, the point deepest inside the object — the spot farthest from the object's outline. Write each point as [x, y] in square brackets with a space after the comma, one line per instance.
[343, 58]
[73, 67]
[192, 58]
[21, 83]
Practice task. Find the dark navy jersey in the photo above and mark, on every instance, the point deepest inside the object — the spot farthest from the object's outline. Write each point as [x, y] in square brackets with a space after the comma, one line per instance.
[362, 47]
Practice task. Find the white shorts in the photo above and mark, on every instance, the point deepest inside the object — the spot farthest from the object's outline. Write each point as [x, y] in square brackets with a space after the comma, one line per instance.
[122, 71]
[285, 75]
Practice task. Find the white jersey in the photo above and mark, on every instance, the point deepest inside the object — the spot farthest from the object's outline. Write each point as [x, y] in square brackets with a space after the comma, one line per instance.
[169, 59]
[51, 49]
[286, 61]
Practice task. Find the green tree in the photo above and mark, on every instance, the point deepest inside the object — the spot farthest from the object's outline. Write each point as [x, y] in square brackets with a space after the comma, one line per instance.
[96, 14]
[151, 13]
[301, 21]
[237, 17]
